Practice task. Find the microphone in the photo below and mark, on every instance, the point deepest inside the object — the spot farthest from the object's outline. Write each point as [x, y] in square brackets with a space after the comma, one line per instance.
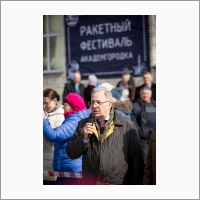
[91, 120]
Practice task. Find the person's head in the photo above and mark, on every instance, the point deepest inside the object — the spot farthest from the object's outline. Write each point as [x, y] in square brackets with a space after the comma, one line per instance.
[92, 79]
[73, 103]
[107, 85]
[77, 77]
[126, 70]
[125, 78]
[101, 102]
[145, 94]
[116, 94]
[147, 77]
[50, 99]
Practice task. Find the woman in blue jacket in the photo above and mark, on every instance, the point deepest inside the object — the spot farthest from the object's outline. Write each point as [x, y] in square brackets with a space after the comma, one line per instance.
[75, 110]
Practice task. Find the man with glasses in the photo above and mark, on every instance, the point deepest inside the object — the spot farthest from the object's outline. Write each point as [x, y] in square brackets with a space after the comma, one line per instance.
[110, 146]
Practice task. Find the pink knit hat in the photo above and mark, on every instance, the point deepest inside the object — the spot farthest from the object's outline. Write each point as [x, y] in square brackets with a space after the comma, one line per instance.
[75, 101]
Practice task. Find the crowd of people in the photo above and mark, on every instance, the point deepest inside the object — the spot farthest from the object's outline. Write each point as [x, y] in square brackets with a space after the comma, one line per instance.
[105, 132]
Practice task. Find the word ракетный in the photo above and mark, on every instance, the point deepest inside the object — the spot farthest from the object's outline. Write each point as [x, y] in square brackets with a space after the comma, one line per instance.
[101, 29]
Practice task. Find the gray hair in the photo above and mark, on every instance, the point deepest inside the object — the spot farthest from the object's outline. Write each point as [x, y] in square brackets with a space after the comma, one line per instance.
[145, 88]
[107, 85]
[107, 93]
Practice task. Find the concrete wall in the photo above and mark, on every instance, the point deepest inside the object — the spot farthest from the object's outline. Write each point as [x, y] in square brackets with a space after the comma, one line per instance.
[57, 81]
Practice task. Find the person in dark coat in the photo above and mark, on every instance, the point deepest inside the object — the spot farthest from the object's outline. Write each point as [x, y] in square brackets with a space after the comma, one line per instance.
[144, 116]
[148, 78]
[112, 154]
[88, 90]
[74, 86]
[150, 167]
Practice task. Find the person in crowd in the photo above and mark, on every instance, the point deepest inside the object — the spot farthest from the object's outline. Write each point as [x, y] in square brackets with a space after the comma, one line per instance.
[74, 86]
[110, 146]
[92, 84]
[54, 112]
[144, 116]
[121, 107]
[107, 85]
[127, 83]
[150, 167]
[74, 111]
[147, 78]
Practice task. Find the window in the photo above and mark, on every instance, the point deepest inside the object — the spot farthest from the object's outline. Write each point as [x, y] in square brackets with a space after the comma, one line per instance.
[53, 43]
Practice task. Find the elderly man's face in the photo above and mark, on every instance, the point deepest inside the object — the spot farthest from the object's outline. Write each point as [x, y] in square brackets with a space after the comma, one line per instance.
[100, 105]
[77, 77]
[146, 95]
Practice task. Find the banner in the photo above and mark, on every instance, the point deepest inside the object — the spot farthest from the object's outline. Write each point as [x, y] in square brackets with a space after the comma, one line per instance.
[106, 44]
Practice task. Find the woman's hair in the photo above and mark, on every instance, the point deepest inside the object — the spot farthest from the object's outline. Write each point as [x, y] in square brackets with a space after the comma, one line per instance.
[51, 94]
[65, 101]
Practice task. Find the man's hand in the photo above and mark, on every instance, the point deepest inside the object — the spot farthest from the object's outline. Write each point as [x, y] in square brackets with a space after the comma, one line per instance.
[88, 129]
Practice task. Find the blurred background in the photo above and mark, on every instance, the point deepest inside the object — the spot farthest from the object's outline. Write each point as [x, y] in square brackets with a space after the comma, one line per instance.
[55, 56]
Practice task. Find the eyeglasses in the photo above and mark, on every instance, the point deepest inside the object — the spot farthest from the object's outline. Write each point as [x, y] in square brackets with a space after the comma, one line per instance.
[46, 103]
[99, 103]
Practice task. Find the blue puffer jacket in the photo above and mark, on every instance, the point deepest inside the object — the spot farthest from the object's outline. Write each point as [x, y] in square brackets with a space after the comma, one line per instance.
[60, 136]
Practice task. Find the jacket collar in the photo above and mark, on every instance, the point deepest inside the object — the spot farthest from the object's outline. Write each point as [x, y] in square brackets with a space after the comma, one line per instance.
[118, 119]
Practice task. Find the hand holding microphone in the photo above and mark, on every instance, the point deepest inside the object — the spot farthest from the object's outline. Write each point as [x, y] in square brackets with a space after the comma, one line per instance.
[88, 128]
